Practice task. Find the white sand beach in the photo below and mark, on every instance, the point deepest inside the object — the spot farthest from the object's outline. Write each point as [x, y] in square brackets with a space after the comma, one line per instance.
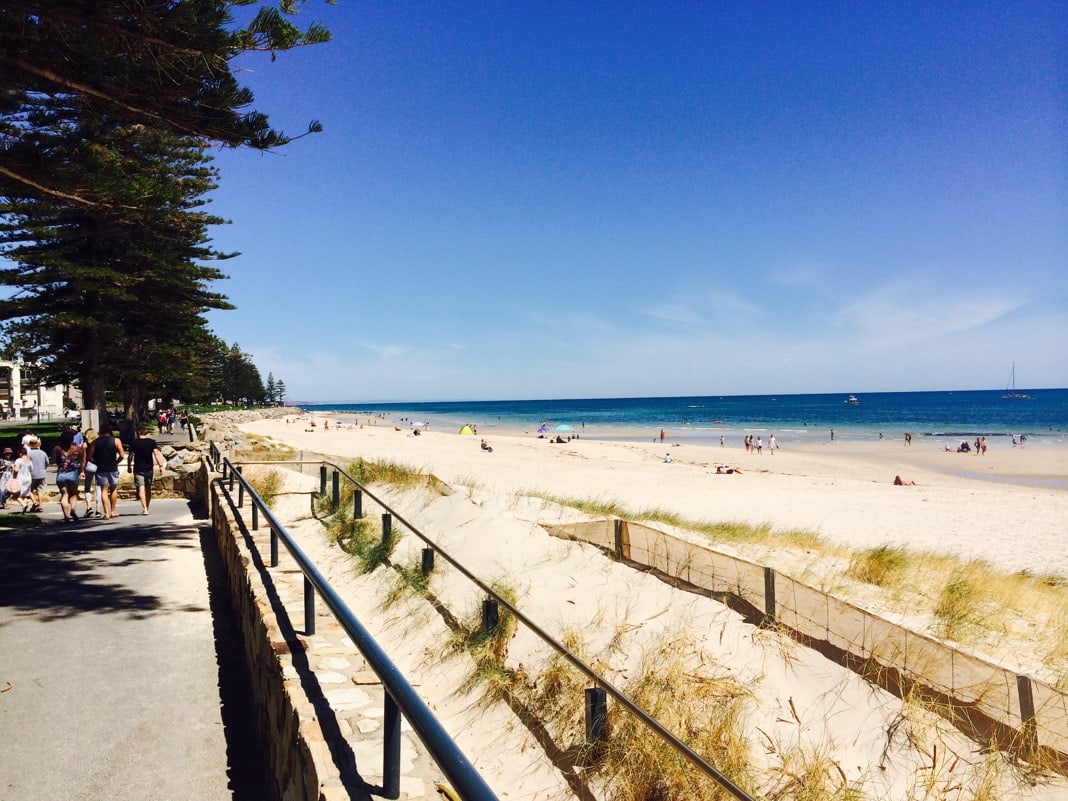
[980, 507]
[801, 705]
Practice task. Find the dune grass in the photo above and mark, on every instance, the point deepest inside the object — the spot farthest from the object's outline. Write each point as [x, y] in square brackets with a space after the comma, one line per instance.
[716, 531]
[362, 538]
[883, 566]
[386, 471]
[266, 483]
[707, 712]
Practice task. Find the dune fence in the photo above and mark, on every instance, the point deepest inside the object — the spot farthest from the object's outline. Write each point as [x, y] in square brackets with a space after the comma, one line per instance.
[990, 703]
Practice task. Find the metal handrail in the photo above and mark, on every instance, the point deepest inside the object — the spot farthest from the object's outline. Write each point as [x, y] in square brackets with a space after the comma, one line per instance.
[400, 698]
[673, 741]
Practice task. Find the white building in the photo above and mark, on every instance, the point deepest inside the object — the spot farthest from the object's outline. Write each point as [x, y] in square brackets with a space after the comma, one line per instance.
[19, 400]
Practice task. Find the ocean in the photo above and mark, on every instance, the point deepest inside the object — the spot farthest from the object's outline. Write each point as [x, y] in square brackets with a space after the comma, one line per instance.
[1042, 418]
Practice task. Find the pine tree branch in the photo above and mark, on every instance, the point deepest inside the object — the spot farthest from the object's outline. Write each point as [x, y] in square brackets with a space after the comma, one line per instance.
[41, 188]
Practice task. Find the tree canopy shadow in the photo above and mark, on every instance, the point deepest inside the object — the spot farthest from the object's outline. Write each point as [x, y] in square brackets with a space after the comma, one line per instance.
[60, 570]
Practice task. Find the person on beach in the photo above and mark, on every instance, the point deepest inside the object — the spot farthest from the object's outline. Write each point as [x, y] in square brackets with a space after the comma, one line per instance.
[486, 447]
[106, 452]
[144, 456]
[899, 482]
[908, 439]
[661, 435]
[773, 444]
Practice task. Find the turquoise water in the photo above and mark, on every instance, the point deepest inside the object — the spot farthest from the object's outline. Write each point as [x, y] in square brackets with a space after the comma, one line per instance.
[946, 416]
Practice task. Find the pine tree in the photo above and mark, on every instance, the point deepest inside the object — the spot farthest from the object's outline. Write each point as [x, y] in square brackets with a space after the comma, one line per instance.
[141, 62]
[105, 109]
[109, 290]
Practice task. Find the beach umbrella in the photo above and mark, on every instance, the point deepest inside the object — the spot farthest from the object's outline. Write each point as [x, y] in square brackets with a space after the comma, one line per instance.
[467, 431]
[564, 427]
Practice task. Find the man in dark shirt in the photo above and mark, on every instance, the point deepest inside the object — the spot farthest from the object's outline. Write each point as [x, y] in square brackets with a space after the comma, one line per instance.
[106, 452]
[145, 456]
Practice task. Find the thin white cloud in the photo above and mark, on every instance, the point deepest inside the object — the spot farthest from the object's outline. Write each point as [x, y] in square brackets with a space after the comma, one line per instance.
[897, 315]
[384, 352]
[705, 309]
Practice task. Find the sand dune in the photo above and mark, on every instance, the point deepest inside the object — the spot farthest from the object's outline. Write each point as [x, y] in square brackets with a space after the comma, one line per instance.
[801, 704]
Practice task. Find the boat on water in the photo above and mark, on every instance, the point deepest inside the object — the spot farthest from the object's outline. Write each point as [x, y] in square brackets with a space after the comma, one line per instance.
[852, 400]
[1010, 390]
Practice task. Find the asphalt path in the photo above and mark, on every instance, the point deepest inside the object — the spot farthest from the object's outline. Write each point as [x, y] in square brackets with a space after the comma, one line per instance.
[120, 664]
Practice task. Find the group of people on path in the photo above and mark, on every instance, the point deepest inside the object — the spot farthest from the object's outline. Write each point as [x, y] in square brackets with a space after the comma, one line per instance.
[89, 462]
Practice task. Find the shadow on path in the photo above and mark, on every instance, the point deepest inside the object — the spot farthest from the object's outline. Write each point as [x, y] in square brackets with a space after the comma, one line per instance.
[57, 570]
[61, 571]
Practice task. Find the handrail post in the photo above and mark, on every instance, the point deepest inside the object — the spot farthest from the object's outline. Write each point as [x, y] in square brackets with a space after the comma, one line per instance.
[387, 527]
[490, 615]
[240, 491]
[391, 749]
[274, 547]
[322, 479]
[428, 561]
[357, 504]
[255, 516]
[309, 606]
[596, 714]
[335, 491]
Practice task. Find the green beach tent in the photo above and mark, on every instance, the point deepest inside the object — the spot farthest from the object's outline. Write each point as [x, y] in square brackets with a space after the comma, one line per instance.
[467, 430]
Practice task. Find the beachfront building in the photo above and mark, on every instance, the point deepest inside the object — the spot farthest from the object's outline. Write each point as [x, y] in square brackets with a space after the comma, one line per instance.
[19, 400]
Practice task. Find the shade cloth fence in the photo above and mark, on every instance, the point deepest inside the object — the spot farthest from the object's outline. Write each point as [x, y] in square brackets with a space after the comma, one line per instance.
[1019, 710]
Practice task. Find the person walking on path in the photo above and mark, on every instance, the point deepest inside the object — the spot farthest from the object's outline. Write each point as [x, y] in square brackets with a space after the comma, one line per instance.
[38, 473]
[144, 457]
[90, 487]
[23, 472]
[68, 474]
[106, 453]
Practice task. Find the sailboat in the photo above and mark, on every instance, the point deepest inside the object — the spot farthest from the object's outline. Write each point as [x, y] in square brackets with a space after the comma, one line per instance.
[1010, 390]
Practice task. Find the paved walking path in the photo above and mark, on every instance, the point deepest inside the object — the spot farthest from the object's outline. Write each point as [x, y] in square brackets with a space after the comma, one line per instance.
[116, 677]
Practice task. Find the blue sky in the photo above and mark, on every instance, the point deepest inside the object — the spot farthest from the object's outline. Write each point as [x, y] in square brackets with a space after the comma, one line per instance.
[630, 199]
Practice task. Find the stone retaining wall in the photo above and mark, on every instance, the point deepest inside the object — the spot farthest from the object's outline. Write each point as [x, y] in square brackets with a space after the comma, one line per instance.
[301, 764]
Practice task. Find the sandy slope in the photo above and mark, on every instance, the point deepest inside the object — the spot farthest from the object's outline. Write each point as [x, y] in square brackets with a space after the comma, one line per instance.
[800, 704]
